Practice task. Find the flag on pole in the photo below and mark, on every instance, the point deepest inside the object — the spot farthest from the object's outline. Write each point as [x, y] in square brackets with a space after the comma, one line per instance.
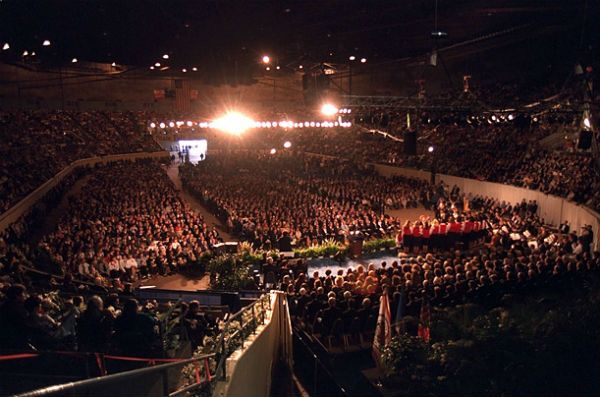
[383, 331]
[425, 320]
[399, 313]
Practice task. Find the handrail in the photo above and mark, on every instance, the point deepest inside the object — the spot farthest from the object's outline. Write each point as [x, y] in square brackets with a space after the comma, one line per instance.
[109, 379]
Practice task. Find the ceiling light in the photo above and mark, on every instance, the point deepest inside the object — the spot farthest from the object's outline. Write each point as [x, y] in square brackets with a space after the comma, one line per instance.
[157, 64]
[166, 56]
[352, 57]
[74, 60]
[151, 67]
[287, 144]
[33, 54]
[184, 70]
[266, 59]
[277, 68]
[300, 67]
[194, 69]
[5, 46]
[273, 151]
[363, 60]
[25, 53]
[113, 64]
[46, 43]
[267, 68]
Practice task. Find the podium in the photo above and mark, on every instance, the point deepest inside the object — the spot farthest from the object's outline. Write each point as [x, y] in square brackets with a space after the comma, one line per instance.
[356, 246]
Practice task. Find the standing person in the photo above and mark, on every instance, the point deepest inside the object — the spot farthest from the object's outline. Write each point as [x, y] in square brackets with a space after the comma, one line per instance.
[135, 332]
[92, 328]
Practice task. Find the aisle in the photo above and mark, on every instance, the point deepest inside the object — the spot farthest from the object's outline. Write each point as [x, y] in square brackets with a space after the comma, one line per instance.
[209, 218]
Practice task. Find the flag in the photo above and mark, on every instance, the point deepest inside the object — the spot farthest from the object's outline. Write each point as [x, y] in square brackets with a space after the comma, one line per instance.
[159, 94]
[193, 95]
[399, 313]
[182, 96]
[425, 320]
[383, 331]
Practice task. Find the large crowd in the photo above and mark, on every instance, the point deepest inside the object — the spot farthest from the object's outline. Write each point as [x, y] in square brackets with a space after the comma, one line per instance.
[38, 144]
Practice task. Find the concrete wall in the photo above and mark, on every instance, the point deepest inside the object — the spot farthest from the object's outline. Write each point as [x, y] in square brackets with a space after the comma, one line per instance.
[93, 88]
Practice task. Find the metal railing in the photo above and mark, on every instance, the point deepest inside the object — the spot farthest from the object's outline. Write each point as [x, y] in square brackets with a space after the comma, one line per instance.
[235, 330]
[111, 380]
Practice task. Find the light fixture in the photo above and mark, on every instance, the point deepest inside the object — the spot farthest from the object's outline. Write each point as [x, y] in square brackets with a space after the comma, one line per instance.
[152, 125]
[25, 53]
[328, 109]
[157, 64]
[171, 124]
[233, 123]
[510, 117]
[74, 60]
[166, 56]
[162, 125]
[430, 149]
[300, 67]
[363, 60]
[267, 68]
[151, 67]
[277, 67]
[189, 123]
[6, 46]
[184, 70]
[194, 69]
[352, 57]
[46, 43]
[114, 64]
[266, 59]
[587, 123]
[33, 54]
[273, 151]
[287, 144]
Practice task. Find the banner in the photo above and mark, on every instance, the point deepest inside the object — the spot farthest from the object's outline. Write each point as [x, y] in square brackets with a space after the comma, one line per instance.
[159, 94]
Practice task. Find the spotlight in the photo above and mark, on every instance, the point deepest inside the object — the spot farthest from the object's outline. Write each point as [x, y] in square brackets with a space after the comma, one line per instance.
[189, 123]
[266, 59]
[430, 149]
[5, 47]
[287, 144]
[157, 64]
[352, 57]
[152, 125]
[328, 109]
[363, 60]
[166, 56]
[33, 54]
[74, 60]
[184, 70]
[267, 68]
[233, 123]
[494, 117]
[171, 124]
[46, 43]
[162, 125]
[114, 64]
[586, 123]
[273, 151]
[151, 67]
[300, 67]
[511, 117]
[277, 67]
[25, 53]
[194, 69]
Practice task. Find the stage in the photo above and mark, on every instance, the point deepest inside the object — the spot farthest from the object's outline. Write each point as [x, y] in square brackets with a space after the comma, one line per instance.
[177, 282]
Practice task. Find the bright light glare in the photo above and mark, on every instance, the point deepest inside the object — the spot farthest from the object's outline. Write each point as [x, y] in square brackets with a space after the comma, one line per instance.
[287, 144]
[166, 56]
[266, 59]
[363, 60]
[430, 149]
[352, 57]
[162, 125]
[152, 125]
[510, 117]
[46, 43]
[74, 60]
[25, 53]
[273, 151]
[157, 64]
[233, 123]
[586, 123]
[328, 109]
[6, 46]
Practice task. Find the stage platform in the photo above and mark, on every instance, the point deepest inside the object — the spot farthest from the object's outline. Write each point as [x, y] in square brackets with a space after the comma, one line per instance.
[178, 282]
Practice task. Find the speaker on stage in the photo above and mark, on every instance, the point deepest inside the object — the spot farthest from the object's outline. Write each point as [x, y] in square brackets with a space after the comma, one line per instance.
[585, 140]
[410, 142]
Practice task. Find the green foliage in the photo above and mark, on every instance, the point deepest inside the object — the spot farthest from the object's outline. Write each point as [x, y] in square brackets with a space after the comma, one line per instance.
[228, 273]
[329, 247]
[378, 243]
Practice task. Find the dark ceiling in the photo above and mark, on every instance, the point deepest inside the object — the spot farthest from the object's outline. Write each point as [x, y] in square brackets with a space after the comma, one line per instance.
[225, 36]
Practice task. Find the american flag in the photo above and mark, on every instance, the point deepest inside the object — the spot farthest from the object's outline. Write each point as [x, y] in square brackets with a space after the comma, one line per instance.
[383, 331]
